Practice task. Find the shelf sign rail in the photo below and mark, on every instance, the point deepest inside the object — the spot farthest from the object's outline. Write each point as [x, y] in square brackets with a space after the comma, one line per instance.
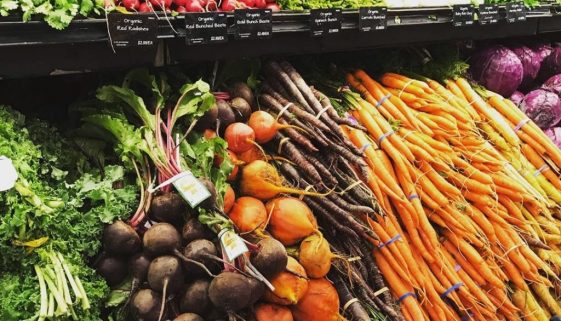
[372, 18]
[132, 30]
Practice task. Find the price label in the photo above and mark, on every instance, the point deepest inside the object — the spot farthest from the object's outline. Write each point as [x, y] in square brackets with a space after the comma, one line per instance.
[462, 15]
[372, 18]
[515, 12]
[232, 244]
[325, 21]
[132, 30]
[8, 174]
[191, 189]
[206, 27]
[488, 14]
[254, 23]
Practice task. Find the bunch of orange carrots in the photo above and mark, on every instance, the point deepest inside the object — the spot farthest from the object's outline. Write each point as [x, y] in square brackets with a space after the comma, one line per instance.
[470, 192]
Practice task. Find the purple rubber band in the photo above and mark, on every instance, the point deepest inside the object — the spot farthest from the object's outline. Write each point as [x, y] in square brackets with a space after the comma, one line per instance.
[451, 289]
[384, 136]
[390, 241]
[521, 123]
[386, 97]
[407, 294]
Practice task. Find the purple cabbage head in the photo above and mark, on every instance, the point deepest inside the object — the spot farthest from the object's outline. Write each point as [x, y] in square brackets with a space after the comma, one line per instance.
[553, 84]
[498, 69]
[543, 107]
[551, 65]
[517, 97]
[530, 62]
[542, 50]
[555, 135]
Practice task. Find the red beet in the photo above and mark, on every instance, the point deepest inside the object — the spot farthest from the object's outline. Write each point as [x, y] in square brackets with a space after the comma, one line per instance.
[194, 6]
[144, 7]
[131, 4]
[249, 3]
[228, 5]
[274, 7]
[157, 4]
[211, 6]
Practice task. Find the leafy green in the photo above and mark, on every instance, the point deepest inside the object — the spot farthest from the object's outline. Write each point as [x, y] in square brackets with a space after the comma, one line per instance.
[321, 4]
[59, 198]
[200, 155]
[144, 97]
[18, 295]
[527, 3]
[6, 6]
[57, 13]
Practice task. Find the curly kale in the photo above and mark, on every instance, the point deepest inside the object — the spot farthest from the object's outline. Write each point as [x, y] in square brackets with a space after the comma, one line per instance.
[59, 202]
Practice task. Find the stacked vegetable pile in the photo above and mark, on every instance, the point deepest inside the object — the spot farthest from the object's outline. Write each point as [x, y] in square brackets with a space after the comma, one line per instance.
[470, 192]
[183, 6]
[322, 4]
[282, 205]
[296, 122]
[188, 262]
[51, 222]
[529, 76]
[59, 14]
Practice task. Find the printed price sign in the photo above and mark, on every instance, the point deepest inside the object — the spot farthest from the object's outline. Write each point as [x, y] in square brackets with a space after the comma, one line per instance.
[488, 14]
[372, 18]
[8, 174]
[232, 244]
[132, 30]
[191, 189]
[515, 12]
[462, 15]
[254, 23]
[205, 28]
[325, 21]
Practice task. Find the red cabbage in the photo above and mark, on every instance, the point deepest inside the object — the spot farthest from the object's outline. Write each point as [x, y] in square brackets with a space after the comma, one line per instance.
[555, 135]
[497, 68]
[530, 63]
[553, 84]
[543, 107]
[551, 65]
[517, 97]
[542, 50]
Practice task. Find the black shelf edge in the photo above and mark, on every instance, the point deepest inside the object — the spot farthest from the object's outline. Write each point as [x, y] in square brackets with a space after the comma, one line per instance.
[34, 49]
[346, 40]
[13, 32]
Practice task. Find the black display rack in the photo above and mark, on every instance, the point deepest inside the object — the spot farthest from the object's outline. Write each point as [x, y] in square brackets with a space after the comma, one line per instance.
[34, 49]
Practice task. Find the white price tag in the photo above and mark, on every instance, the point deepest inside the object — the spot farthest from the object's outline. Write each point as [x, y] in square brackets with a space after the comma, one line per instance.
[8, 174]
[232, 244]
[191, 189]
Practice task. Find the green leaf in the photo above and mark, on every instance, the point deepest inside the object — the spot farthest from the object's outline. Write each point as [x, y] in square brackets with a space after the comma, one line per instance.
[115, 94]
[129, 140]
[86, 6]
[59, 18]
[119, 294]
[195, 100]
[6, 6]
[148, 81]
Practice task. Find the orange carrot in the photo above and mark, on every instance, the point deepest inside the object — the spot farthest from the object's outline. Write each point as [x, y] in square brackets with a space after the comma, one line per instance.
[409, 302]
[438, 180]
[538, 162]
[476, 260]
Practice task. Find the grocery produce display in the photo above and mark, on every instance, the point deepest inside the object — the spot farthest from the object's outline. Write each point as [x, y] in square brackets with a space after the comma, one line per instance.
[292, 192]
[59, 14]
[530, 77]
